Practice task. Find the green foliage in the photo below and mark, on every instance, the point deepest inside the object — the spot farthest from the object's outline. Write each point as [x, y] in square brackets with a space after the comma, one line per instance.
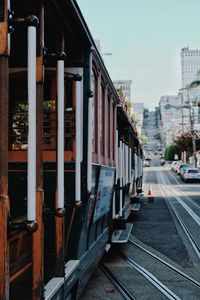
[129, 106]
[184, 143]
[170, 152]
[195, 83]
[134, 118]
[143, 139]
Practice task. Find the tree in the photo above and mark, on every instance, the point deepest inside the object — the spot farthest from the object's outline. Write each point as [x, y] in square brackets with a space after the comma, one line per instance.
[129, 106]
[143, 139]
[170, 152]
[184, 143]
[195, 83]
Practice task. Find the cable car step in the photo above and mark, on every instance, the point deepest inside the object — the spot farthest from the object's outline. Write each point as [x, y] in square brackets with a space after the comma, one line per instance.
[70, 267]
[52, 287]
[123, 235]
[134, 206]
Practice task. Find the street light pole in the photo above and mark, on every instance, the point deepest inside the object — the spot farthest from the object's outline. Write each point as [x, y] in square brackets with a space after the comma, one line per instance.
[192, 130]
[182, 120]
[183, 156]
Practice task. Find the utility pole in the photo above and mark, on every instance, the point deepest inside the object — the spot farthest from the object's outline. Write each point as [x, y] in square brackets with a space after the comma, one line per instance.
[183, 158]
[192, 130]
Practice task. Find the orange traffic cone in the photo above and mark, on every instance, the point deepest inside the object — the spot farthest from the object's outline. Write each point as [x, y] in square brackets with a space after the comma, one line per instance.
[150, 195]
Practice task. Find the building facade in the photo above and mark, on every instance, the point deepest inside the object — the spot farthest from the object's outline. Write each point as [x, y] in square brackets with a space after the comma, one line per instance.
[190, 65]
[138, 110]
[125, 87]
[171, 118]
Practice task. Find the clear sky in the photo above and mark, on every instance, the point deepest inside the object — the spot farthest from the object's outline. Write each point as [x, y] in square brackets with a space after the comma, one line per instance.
[145, 38]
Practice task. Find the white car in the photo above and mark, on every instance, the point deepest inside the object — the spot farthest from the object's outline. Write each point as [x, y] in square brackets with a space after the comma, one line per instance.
[146, 163]
[173, 165]
[191, 174]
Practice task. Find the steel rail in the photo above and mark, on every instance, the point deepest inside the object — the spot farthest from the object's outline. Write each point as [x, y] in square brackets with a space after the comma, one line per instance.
[151, 278]
[186, 197]
[187, 231]
[181, 222]
[170, 266]
[119, 286]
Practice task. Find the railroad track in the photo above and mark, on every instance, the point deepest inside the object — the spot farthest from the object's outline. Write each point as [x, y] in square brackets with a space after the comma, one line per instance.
[117, 283]
[173, 289]
[165, 263]
[193, 241]
[153, 280]
[188, 233]
[192, 201]
[169, 294]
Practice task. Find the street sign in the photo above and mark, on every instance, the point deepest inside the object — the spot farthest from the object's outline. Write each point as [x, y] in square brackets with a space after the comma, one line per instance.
[175, 156]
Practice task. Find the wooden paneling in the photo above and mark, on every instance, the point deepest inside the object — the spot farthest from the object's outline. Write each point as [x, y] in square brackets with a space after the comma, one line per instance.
[38, 236]
[38, 249]
[48, 156]
[4, 246]
[4, 200]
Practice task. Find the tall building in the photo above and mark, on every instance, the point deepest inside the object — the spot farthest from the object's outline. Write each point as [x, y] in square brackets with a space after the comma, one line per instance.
[124, 86]
[170, 111]
[190, 65]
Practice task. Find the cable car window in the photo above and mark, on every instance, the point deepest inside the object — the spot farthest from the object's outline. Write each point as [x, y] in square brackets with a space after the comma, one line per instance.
[18, 112]
[49, 113]
[69, 114]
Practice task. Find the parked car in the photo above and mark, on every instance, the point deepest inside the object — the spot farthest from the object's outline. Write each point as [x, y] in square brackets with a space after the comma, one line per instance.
[180, 166]
[179, 163]
[146, 163]
[148, 158]
[191, 174]
[184, 168]
[162, 161]
[173, 165]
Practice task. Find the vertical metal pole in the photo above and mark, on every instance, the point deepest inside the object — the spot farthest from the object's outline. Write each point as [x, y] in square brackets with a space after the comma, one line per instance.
[116, 149]
[125, 179]
[182, 126]
[106, 126]
[121, 177]
[122, 163]
[112, 132]
[60, 210]
[116, 155]
[38, 236]
[127, 171]
[192, 130]
[91, 117]
[130, 164]
[78, 141]
[182, 118]
[31, 208]
[99, 119]
[60, 133]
